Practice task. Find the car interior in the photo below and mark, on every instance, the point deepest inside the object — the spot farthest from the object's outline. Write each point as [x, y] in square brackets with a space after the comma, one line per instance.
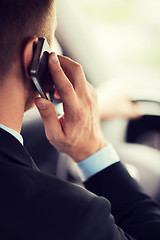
[97, 42]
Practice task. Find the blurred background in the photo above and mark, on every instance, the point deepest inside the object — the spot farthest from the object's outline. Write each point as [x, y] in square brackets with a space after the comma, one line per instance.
[125, 33]
[128, 33]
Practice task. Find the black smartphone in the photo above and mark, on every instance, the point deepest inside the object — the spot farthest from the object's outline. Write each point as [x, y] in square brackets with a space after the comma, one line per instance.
[39, 66]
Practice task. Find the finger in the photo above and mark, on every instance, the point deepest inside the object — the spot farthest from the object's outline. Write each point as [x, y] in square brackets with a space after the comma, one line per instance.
[51, 123]
[75, 73]
[63, 85]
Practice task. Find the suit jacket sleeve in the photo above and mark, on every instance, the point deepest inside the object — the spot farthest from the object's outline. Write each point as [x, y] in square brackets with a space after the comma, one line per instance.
[97, 223]
[135, 212]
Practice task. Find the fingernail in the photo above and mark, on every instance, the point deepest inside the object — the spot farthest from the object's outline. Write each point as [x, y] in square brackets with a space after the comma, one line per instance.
[41, 104]
[54, 58]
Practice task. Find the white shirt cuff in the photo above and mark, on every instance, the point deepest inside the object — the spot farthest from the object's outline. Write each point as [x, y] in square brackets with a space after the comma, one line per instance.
[95, 163]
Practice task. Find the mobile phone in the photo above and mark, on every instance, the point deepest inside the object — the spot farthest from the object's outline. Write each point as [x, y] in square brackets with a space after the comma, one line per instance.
[39, 66]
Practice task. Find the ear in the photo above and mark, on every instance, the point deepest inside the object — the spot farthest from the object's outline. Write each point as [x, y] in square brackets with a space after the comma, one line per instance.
[28, 54]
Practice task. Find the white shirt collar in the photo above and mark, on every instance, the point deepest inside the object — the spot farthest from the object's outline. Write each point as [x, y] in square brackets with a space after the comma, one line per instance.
[13, 132]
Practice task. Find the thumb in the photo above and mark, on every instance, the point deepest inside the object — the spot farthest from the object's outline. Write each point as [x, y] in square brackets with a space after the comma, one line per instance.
[49, 117]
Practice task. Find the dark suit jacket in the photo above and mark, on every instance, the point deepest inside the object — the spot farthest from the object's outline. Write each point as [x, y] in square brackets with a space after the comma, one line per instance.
[36, 206]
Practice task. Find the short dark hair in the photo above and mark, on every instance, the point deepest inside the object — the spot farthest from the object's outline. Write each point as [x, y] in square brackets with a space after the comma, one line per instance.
[19, 20]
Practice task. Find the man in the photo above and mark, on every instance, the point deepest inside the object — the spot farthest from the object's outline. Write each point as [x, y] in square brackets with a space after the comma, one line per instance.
[34, 205]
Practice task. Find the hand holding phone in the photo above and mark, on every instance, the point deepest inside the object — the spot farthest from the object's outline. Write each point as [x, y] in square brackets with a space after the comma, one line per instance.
[77, 132]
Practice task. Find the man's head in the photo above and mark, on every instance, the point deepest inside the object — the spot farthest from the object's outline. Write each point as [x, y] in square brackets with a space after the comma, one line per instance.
[20, 20]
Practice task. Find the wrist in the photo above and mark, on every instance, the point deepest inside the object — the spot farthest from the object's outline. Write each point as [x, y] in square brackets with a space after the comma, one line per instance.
[89, 151]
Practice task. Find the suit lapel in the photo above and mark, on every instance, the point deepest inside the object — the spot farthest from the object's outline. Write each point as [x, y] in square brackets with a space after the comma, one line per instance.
[14, 150]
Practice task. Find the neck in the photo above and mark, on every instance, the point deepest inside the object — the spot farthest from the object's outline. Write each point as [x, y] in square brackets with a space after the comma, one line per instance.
[12, 105]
